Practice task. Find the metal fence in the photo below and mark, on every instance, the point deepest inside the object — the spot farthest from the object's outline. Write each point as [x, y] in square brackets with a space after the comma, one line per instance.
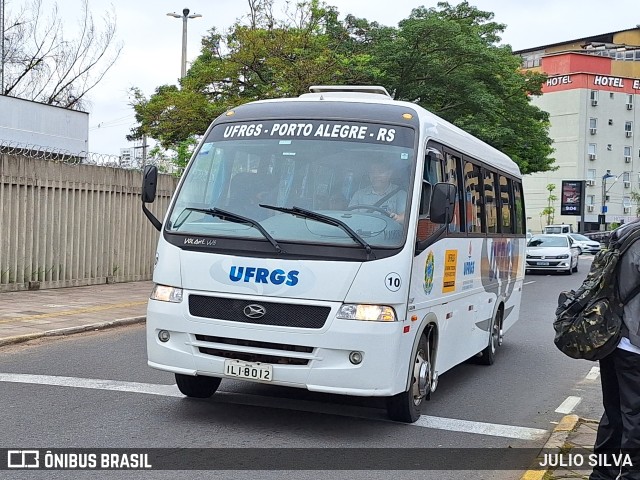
[29, 150]
[67, 224]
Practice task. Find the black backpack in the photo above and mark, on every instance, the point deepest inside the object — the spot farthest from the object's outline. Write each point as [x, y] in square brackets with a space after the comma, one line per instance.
[588, 321]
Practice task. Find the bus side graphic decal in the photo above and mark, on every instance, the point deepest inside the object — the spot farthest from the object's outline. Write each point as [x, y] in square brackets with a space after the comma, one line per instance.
[500, 270]
[450, 267]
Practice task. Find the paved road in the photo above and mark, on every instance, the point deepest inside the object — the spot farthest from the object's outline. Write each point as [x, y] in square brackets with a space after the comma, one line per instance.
[95, 390]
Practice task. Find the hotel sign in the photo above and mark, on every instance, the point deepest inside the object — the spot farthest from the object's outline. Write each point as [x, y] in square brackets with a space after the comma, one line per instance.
[555, 81]
[602, 81]
[595, 80]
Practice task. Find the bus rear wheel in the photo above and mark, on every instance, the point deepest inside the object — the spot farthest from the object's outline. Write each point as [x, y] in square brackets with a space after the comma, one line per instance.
[198, 386]
[405, 406]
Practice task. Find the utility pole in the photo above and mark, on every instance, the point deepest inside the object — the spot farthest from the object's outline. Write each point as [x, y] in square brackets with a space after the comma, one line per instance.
[185, 16]
[582, 207]
[144, 150]
[1, 47]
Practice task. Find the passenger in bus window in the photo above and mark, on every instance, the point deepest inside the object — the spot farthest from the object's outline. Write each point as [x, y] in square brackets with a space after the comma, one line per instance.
[382, 193]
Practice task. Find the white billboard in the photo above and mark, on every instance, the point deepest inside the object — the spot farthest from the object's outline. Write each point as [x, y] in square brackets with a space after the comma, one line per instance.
[44, 127]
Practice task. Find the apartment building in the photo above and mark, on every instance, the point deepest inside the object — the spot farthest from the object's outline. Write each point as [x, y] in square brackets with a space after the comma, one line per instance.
[592, 95]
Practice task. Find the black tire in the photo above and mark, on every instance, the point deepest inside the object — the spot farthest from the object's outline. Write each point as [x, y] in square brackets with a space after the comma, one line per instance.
[405, 407]
[488, 355]
[198, 386]
[575, 269]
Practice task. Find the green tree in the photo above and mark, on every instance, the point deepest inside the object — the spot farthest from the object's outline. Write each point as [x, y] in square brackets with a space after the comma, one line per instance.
[446, 59]
[550, 210]
[266, 59]
[164, 159]
[635, 198]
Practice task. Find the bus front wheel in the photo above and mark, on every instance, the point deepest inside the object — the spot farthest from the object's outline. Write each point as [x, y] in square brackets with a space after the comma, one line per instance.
[198, 386]
[405, 406]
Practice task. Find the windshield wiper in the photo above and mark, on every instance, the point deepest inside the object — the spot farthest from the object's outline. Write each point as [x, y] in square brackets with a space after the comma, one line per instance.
[318, 217]
[235, 218]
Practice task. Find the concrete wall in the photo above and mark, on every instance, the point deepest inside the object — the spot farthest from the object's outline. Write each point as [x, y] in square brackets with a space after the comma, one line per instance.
[63, 225]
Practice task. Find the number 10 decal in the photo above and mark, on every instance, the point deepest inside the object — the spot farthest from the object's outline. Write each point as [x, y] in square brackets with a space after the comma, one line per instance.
[392, 282]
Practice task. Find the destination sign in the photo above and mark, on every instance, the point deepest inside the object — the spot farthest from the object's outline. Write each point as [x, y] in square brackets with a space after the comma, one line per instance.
[315, 130]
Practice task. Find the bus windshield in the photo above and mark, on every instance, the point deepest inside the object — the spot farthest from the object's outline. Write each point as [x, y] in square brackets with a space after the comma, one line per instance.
[288, 177]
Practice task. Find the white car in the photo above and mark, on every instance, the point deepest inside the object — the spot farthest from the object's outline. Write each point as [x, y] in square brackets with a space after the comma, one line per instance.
[552, 252]
[585, 244]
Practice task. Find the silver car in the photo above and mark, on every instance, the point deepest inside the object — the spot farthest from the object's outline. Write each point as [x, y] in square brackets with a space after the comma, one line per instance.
[585, 244]
[552, 252]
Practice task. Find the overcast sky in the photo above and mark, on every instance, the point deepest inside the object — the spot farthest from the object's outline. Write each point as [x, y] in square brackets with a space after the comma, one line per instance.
[152, 40]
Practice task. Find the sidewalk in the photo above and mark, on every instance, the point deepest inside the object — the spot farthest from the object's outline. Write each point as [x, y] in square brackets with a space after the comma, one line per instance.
[572, 434]
[27, 315]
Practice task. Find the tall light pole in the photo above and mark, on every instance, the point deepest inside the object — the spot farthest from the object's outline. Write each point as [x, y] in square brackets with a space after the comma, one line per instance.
[185, 16]
[1, 46]
[603, 216]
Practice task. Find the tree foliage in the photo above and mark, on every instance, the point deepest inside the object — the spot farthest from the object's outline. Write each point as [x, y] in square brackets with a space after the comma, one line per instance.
[42, 64]
[446, 59]
[635, 198]
[550, 210]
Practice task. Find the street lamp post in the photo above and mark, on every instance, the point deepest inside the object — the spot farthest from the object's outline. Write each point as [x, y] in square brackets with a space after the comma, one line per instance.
[185, 16]
[1, 46]
[603, 216]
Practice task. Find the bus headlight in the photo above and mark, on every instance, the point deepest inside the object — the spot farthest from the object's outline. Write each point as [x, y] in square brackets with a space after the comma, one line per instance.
[166, 294]
[373, 313]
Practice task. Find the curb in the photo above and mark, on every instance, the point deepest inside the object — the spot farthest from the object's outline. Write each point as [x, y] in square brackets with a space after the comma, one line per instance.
[556, 440]
[71, 330]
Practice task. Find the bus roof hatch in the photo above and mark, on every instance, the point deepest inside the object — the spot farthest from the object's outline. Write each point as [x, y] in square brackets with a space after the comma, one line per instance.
[373, 89]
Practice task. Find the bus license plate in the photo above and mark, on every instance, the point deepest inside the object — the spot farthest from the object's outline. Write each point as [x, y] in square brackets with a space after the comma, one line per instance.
[543, 264]
[253, 371]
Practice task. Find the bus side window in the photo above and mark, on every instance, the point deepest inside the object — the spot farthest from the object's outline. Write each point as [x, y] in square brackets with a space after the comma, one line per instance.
[473, 198]
[451, 169]
[490, 202]
[432, 175]
[506, 205]
[432, 166]
[519, 208]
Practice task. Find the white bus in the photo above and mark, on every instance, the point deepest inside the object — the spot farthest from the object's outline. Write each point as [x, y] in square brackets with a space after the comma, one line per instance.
[341, 242]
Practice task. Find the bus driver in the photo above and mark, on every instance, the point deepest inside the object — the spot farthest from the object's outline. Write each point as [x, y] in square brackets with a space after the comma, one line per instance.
[382, 193]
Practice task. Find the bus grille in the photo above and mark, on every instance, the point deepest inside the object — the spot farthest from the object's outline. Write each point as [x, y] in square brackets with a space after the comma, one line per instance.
[277, 314]
[283, 359]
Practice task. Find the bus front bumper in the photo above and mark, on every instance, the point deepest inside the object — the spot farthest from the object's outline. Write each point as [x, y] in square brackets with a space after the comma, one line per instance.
[316, 360]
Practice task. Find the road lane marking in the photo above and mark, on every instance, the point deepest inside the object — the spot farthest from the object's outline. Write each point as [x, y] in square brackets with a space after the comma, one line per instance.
[529, 283]
[76, 311]
[568, 405]
[593, 373]
[481, 428]
[426, 421]
[95, 384]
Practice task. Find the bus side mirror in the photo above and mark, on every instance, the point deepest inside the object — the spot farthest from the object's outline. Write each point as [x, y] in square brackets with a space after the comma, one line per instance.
[149, 183]
[443, 201]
